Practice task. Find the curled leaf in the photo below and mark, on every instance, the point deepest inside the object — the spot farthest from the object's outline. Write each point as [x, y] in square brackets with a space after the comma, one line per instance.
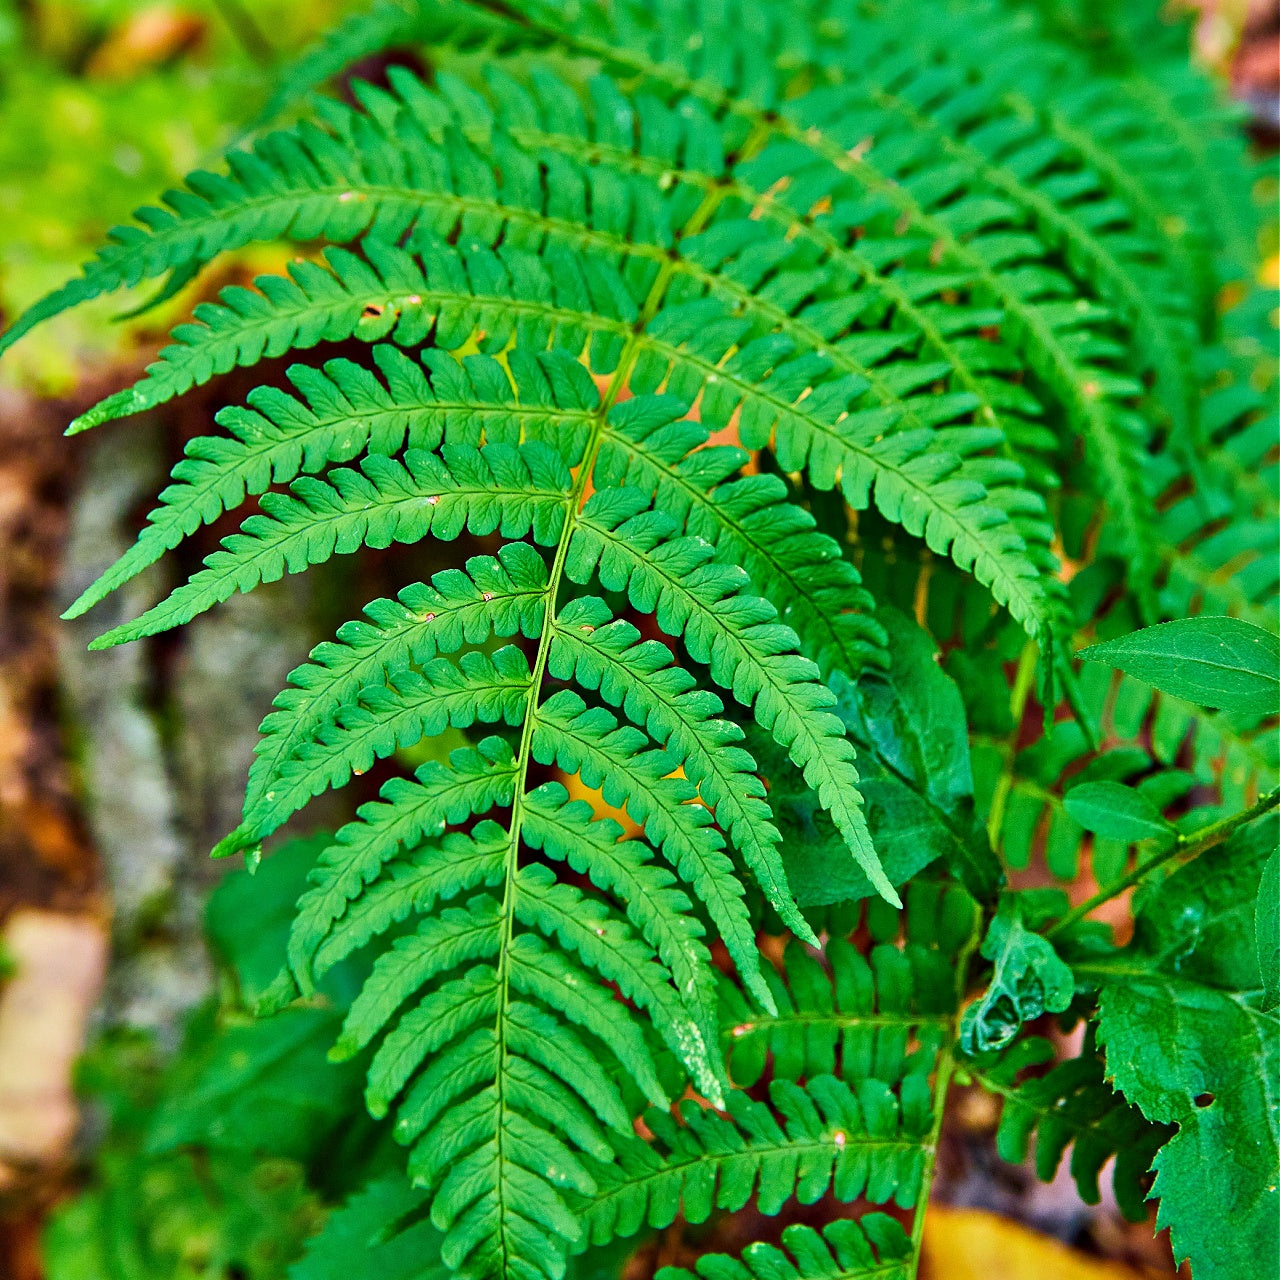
[1029, 978]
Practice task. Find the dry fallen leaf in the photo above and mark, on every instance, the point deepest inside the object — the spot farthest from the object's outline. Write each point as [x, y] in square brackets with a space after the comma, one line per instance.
[968, 1244]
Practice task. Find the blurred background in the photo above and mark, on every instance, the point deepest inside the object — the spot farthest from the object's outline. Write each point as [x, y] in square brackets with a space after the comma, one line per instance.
[119, 770]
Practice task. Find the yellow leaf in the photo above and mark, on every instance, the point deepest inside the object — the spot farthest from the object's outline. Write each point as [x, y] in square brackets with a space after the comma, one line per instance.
[968, 1244]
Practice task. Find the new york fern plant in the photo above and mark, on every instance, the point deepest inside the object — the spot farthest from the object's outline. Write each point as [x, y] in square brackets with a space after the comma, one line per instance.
[797, 387]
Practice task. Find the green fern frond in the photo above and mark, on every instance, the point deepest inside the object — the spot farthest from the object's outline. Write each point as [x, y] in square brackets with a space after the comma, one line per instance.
[827, 1136]
[845, 1250]
[860, 1123]
[1073, 1104]
[502, 1133]
[1034, 298]
[502, 596]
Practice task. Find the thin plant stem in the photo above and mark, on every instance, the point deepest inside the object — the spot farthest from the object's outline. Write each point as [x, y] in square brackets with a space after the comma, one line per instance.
[1187, 846]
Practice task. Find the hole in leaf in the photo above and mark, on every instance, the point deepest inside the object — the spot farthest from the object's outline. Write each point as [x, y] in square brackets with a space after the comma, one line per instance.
[1204, 1099]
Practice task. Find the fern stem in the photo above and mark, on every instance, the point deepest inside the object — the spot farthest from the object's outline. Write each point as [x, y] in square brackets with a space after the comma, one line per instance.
[1023, 680]
[1185, 846]
[942, 1083]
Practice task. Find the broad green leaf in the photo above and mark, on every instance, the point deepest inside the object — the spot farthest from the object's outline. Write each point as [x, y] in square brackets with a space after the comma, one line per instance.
[247, 916]
[1223, 663]
[1118, 812]
[1029, 978]
[913, 761]
[1187, 1042]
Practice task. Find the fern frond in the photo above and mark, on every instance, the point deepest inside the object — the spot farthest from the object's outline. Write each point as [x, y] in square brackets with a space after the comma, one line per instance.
[512, 489]
[1073, 1104]
[344, 411]
[860, 1124]
[997, 134]
[455, 1015]
[846, 1250]
[1031, 295]
[827, 1136]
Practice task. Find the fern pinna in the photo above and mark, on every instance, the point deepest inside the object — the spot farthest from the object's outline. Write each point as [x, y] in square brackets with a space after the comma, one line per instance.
[739, 324]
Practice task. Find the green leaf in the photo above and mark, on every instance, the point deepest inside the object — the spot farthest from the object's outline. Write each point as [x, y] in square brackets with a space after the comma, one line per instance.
[247, 917]
[263, 1086]
[1187, 1043]
[1029, 978]
[1224, 663]
[1118, 812]
[913, 758]
[911, 721]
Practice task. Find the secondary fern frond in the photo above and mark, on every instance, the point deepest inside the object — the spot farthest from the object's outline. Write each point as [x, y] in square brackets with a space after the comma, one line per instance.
[844, 1251]
[826, 1136]
[1072, 1104]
